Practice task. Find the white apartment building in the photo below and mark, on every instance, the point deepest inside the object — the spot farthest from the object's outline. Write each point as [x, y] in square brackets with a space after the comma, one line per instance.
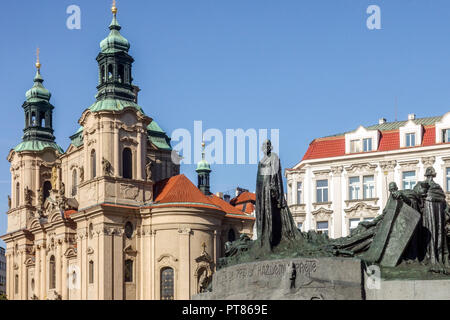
[343, 179]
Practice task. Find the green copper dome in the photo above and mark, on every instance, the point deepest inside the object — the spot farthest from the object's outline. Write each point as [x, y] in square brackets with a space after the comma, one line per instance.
[38, 93]
[114, 105]
[37, 145]
[115, 42]
[203, 166]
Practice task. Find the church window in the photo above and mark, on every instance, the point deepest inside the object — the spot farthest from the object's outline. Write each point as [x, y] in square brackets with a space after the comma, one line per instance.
[47, 188]
[127, 163]
[110, 72]
[93, 164]
[52, 275]
[33, 119]
[42, 119]
[167, 284]
[129, 270]
[74, 182]
[121, 73]
[17, 194]
[103, 75]
[91, 272]
[16, 284]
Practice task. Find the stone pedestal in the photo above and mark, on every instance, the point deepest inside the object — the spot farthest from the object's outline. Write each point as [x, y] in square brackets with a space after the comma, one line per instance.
[317, 278]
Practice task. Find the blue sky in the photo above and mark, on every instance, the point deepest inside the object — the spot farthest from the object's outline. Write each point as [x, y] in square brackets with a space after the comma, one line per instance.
[309, 68]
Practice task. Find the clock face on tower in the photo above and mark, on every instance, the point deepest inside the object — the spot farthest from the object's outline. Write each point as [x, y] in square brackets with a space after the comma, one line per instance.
[129, 230]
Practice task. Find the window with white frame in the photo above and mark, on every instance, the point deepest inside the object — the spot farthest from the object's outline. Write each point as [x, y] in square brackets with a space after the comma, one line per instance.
[322, 191]
[354, 188]
[353, 223]
[369, 187]
[409, 180]
[446, 135]
[355, 146]
[367, 145]
[410, 140]
[447, 178]
[322, 227]
[299, 193]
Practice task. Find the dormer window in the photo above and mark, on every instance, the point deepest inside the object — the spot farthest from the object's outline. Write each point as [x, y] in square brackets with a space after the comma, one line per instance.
[355, 146]
[446, 136]
[367, 145]
[410, 140]
[361, 140]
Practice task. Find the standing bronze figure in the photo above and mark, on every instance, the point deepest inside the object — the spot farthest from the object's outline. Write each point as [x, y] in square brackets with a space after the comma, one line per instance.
[274, 221]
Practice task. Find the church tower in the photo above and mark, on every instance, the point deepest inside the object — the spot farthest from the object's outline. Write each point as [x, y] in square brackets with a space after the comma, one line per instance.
[32, 160]
[204, 171]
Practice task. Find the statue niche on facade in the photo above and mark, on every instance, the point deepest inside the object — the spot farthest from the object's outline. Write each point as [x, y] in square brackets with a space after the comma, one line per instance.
[107, 167]
[148, 169]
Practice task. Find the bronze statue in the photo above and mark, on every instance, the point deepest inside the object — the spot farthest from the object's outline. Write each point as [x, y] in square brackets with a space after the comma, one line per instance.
[107, 168]
[274, 221]
[434, 234]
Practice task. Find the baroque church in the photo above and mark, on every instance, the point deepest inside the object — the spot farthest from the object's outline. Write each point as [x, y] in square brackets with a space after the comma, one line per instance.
[110, 218]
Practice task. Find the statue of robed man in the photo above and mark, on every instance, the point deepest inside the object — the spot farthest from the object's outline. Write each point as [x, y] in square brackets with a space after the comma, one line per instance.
[274, 221]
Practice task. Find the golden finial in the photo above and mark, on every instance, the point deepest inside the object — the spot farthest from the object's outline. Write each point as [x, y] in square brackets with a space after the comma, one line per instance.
[38, 63]
[114, 8]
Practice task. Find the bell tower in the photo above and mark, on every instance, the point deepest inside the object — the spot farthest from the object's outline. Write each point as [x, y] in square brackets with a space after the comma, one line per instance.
[115, 65]
[204, 171]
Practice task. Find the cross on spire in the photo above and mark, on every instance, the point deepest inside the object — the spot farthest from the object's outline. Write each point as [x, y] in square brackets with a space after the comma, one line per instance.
[204, 247]
[114, 8]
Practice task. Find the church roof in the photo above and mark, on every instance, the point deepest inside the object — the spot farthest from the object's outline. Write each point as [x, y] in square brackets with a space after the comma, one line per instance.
[180, 191]
[158, 136]
[228, 208]
[115, 42]
[114, 105]
[37, 145]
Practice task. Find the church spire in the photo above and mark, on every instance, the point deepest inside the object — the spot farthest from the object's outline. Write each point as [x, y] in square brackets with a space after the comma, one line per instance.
[203, 171]
[115, 65]
[38, 131]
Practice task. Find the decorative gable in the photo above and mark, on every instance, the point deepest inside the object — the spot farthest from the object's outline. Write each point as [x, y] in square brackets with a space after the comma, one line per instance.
[362, 140]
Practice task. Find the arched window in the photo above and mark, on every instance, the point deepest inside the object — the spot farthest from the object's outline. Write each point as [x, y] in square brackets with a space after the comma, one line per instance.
[102, 75]
[129, 270]
[47, 188]
[121, 73]
[231, 235]
[16, 284]
[110, 72]
[33, 119]
[127, 163]
[42, 119]
[27, 120]
[17, 194]
[91, 272]
[52, 273]
[74, 182]
[91, 231]
[167, 285]
[93, 164]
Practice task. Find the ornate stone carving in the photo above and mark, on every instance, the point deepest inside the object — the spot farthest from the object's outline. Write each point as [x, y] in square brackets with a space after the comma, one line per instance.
[337, 170]
[28, 196]
[322, 214]
[322, 173]
[129, 191]
[428, 161]
[107, 167]
[362, 209]
[409, 165]
[148, 169]
[185, 231]
[361, 168]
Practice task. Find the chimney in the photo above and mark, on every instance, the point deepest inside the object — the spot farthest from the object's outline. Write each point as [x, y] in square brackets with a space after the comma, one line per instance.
[220, 195]
[382, 121]
[227, 197]
[411, 116]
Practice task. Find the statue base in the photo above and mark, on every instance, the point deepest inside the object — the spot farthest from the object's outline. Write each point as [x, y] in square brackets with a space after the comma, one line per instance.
[313, 278]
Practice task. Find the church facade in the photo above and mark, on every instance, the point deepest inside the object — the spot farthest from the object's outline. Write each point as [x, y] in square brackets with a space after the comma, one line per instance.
[111, 217]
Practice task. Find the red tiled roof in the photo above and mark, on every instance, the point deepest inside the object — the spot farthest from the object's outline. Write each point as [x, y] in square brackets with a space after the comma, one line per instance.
[389, 140]
[225, 206]
[325, 148]
[246, 207]
[179, 189]
[243, 197]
